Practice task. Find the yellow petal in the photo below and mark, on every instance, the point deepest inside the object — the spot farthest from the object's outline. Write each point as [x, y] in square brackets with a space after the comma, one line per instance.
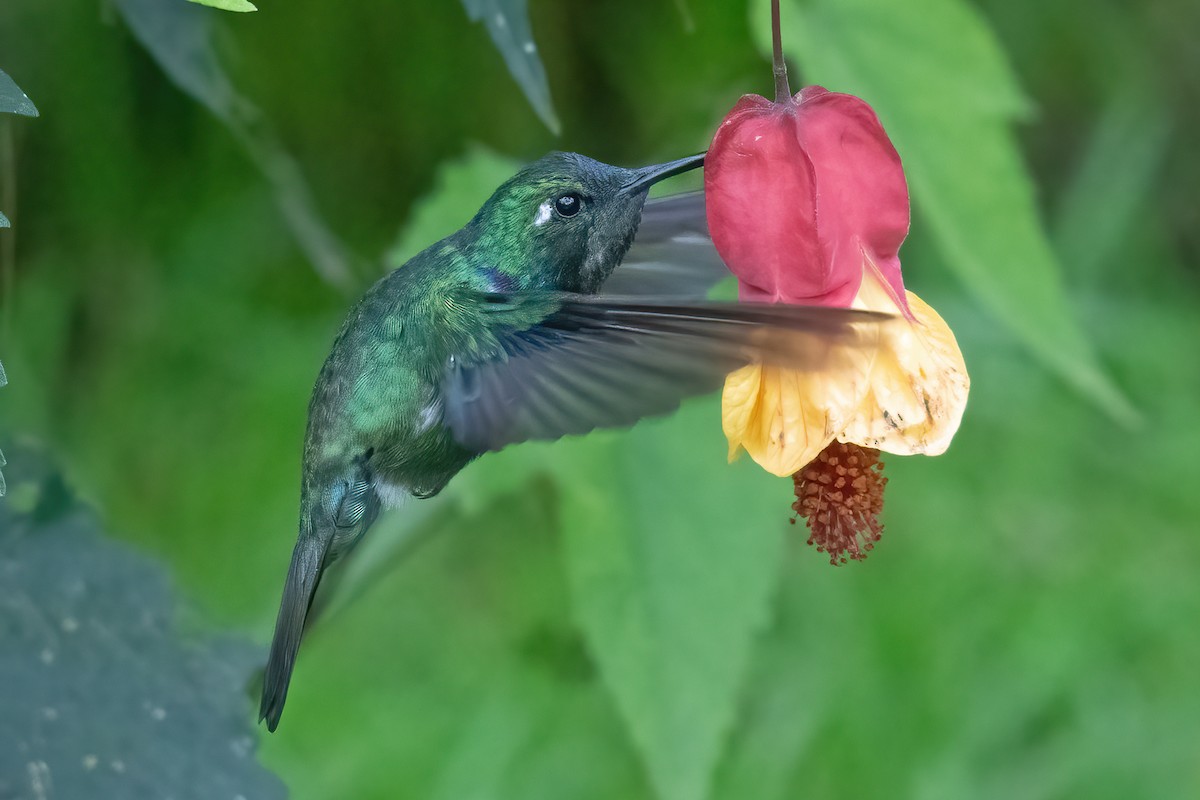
[739, 402]
[900, 386]
[780, 416]
[918, 383]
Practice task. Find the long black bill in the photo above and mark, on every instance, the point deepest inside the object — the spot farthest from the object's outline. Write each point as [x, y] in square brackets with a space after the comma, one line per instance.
[654, 173]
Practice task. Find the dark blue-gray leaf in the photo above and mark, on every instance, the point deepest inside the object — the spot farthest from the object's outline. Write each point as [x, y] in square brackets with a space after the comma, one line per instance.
[3, 382]
[99, 695]
[13, 100]
[508, 23]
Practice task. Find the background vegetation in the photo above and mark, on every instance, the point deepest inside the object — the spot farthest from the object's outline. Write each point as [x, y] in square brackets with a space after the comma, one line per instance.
[622, 616]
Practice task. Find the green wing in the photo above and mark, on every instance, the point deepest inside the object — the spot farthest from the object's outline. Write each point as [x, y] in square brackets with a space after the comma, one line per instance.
[602, 362]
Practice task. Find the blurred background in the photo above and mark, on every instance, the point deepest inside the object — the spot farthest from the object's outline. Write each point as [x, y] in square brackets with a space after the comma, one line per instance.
[625, 615]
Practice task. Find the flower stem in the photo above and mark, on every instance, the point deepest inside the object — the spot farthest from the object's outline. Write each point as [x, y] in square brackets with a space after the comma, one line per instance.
[783, 92]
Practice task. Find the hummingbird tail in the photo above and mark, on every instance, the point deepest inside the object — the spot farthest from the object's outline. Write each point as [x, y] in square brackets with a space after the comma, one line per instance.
[308, 561]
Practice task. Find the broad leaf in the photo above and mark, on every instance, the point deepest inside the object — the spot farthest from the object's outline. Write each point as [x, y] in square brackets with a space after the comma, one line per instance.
[508, 23]
[100, 696]
[939, 82]
[228, 5]
[784, 714]
[1113, 181]
[671, 581]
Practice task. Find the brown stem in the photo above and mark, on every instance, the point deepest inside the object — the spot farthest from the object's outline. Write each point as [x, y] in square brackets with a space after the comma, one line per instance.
[783, 92]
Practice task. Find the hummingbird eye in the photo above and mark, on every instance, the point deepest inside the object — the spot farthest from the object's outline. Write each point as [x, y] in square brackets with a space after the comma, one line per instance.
[568, 205]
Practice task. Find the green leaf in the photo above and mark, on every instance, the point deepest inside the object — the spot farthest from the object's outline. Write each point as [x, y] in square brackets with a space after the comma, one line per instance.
[508, 23]
[784, 714]
[179, 38]
[100, 696]
[227, 5]
[13, 100]
[671, 580]
[1113, 180]
[939, 82]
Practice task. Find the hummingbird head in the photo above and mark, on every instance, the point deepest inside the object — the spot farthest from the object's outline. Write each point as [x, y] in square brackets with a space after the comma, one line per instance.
[565, 221]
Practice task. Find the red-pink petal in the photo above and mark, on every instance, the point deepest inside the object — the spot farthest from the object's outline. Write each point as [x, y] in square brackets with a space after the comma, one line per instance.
[862, 198]
[796, 193]
[761, 199]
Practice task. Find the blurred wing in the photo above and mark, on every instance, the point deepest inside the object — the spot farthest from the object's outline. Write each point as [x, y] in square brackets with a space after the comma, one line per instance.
[600, 362]
[672, 254]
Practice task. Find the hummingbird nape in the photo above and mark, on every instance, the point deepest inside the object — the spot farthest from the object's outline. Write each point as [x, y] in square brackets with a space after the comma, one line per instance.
[503, 332]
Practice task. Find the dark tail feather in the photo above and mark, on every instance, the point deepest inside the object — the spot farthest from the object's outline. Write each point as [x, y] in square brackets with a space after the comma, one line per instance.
[303, 576]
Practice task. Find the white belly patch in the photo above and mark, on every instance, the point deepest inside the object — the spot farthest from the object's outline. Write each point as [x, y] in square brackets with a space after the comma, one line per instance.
[391, 495]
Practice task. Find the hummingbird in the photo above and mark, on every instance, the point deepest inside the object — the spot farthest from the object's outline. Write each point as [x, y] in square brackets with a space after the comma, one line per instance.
[510, 330]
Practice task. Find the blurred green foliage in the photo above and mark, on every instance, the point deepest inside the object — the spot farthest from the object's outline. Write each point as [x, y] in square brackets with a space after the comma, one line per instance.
[626, 616]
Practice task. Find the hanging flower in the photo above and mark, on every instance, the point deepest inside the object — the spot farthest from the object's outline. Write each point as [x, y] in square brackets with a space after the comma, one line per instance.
[807, 204]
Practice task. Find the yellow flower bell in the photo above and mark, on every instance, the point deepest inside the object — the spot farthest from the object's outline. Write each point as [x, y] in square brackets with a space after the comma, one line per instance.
[904, 396]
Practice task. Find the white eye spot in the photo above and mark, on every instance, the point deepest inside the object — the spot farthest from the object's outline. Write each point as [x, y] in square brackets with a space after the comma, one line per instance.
[530, 48]
[501, 22]
[543, 214]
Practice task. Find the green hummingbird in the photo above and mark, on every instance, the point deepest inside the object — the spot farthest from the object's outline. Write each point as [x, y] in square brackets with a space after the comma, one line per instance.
[510, 330]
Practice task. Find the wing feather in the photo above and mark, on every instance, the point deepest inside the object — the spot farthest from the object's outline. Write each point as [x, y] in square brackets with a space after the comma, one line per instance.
[672, 253]
[601, 362]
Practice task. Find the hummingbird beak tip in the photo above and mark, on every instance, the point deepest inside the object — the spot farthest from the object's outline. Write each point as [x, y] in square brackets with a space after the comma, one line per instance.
[646, 176]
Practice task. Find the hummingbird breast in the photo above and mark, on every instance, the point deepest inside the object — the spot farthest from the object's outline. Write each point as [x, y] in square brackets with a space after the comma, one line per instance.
[377, 397]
